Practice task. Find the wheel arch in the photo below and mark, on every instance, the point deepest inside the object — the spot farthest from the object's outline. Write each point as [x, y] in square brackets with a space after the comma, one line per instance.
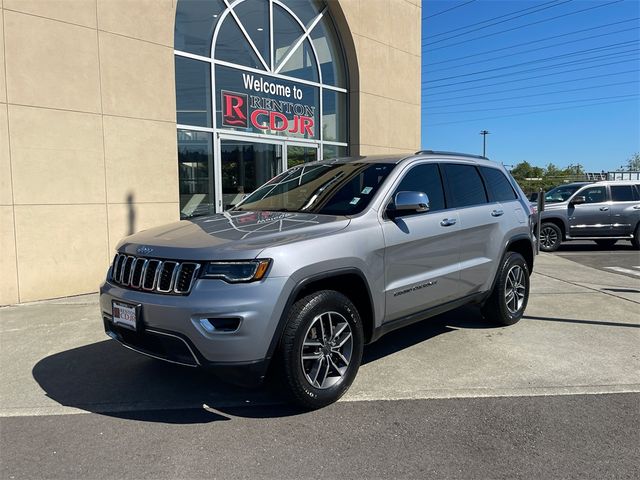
[350, 281]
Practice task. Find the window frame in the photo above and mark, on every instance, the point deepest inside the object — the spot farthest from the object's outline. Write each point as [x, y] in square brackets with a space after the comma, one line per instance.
[580, 192]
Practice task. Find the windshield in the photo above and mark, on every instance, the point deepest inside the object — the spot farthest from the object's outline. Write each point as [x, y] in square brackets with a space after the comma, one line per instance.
[561, 193]
[330, 189]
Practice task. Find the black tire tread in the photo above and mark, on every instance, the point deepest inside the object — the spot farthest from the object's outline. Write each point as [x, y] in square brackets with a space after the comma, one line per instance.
[494, 309]
[297, 314]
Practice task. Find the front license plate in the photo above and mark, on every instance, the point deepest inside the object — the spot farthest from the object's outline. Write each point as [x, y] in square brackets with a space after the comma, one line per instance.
[125, 314]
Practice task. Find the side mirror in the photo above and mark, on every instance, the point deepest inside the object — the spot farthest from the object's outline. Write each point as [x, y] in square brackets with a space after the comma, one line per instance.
[409, 202]
[579, 200]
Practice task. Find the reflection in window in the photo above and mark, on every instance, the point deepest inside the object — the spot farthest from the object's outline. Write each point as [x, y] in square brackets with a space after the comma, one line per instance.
[334, 116]
[330, 56]
[424, 178]
[285, 33]
[195, 23]
[297, 155]
[333, 151]
[246, 166]
[232, 46]
[195, 161]
[465, 185]
[193, 92]
[301, 64]
[255, 20]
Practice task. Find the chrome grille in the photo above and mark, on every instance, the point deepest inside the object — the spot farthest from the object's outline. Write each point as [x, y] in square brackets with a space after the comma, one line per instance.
[154, 275]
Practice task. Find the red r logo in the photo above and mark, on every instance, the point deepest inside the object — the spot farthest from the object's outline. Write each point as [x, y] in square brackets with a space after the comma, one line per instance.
[234, 109]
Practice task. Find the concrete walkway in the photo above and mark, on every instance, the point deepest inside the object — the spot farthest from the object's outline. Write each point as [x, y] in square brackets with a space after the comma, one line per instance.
[581, 334]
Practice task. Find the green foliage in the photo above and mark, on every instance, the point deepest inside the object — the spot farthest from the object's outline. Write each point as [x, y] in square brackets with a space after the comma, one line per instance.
[532, 178]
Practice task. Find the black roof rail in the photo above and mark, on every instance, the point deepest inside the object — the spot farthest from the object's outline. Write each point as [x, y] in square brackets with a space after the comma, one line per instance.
[457, 154]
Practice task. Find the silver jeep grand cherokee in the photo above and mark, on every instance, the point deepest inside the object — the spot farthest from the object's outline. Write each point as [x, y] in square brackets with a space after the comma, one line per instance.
[319, 261]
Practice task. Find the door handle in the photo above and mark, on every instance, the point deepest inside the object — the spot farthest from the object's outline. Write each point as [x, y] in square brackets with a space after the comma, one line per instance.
[497, 213]
[604, 209]
[636, 207]
[447, 222]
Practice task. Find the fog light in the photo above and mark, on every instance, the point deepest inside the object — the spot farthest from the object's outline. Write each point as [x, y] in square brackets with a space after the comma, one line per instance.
[213, 325]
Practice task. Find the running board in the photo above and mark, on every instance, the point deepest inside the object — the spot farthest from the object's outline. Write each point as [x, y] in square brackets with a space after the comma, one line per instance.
[627, 237]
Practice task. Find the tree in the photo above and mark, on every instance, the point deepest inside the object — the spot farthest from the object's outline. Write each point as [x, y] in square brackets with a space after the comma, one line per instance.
[633, 163]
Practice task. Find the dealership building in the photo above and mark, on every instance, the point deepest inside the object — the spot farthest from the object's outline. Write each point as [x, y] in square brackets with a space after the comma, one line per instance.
[119, 115]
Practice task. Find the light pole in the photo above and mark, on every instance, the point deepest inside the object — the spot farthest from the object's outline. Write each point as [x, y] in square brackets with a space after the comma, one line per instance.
[484, 134]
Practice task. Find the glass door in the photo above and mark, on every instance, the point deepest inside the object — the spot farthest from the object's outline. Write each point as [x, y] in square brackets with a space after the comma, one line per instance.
[298, 153]
[245, 165]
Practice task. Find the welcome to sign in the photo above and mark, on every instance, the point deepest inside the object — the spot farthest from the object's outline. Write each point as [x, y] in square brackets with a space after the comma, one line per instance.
[269, 105]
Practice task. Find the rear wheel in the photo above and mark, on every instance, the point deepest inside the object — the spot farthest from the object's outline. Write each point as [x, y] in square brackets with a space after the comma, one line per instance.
[510, 294]
[606, 243]
[550, 237]
[321, 348]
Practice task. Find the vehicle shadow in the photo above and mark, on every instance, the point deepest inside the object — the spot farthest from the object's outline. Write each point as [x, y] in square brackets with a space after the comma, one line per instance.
[108, 379]
[588, 246]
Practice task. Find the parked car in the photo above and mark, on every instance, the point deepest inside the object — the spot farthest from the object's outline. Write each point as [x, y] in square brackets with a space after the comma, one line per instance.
[319, 261]
[605, 212]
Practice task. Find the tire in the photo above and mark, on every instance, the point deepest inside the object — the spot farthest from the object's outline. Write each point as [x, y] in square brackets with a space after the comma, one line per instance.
[635, 241]
[606, 243]
[324, 376]
[498, 307]
[550, 237]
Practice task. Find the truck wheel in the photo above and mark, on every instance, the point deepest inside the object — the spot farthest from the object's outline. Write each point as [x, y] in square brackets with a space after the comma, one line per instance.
[510, 294]
[635, 241]
[321, 348]
[550, 237]
[606, 243]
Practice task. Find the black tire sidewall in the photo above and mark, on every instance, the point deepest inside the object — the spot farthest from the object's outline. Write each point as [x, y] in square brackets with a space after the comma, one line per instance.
[301, 315]
[558, 231]
[497, 307]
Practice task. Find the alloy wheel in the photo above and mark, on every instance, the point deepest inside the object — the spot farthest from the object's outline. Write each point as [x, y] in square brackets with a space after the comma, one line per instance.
[327, 350]
[515, 289]
[548, 237]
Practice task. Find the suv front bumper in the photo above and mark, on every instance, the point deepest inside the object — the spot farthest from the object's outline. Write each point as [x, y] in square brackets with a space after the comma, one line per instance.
[174, 327]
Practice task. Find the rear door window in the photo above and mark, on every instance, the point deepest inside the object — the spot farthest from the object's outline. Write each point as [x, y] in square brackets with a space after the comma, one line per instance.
[622, 193]
[424, 178]
[498, 187]
[464, 185]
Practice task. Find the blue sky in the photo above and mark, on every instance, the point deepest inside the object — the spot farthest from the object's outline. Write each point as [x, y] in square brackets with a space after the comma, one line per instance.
[584, 84]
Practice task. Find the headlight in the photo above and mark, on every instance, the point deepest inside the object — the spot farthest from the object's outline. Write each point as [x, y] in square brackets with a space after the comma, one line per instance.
[237, 271]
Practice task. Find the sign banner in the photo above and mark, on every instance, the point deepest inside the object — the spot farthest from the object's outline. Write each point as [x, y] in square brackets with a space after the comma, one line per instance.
[263, 104]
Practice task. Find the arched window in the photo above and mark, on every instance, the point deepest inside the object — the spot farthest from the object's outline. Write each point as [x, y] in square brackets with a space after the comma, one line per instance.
[261, 85]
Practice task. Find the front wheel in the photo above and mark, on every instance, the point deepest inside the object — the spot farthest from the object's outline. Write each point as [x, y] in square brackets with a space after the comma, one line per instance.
[550, 237]
[321, 348]
[510, 295]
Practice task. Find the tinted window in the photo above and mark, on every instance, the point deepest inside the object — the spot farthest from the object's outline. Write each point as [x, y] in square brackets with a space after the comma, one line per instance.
[330, 189]
[560, 194]
[424, 178]
[464, 184]
[499, 188]
[594, 194]
[622, 193]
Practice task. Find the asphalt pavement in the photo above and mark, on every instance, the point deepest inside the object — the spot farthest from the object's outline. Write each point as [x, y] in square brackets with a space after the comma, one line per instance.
[555, 396]
[620, 258]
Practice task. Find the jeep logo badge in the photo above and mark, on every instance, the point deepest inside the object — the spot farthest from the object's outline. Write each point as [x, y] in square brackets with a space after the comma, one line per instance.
[144, 250]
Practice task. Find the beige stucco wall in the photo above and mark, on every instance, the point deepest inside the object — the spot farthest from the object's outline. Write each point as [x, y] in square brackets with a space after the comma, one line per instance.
[88, 134]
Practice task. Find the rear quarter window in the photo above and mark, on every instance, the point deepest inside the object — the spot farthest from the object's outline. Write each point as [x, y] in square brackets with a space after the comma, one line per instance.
[498, 186]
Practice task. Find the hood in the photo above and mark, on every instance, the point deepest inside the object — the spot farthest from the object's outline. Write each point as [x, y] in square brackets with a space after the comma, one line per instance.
[229, 235]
